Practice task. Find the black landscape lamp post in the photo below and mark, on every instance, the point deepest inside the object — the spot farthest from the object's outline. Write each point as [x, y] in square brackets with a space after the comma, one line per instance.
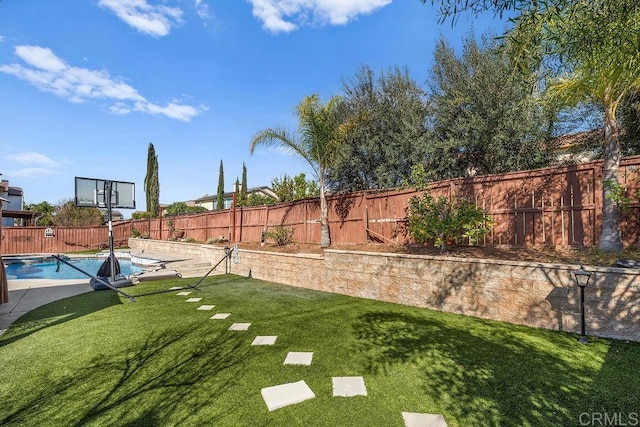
[582, 279]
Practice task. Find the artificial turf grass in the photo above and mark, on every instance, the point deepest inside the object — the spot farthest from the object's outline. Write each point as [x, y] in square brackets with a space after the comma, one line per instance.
[98, 359]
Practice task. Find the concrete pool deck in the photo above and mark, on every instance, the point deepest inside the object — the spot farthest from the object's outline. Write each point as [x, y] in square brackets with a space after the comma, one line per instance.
[28, 294]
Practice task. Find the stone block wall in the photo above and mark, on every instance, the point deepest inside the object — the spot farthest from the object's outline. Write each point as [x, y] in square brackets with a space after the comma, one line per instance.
[539, 295]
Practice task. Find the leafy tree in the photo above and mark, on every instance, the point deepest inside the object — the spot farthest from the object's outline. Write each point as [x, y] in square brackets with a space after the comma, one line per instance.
[220, 198]
[386, 132]
[256, 199]
[47, 210]
[629, 112]
[152, 183]
[591, 46]
[242, 198]
[288, 189]
[67, 214]
[316, 141]
[180, 208]
[142, 215]
[485, 119]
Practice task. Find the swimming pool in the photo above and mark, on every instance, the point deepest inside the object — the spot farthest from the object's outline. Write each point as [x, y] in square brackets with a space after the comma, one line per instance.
[47, 268]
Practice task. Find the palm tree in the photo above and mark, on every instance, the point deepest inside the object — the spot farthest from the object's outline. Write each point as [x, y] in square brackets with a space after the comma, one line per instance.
[316, 140]
[604, 66]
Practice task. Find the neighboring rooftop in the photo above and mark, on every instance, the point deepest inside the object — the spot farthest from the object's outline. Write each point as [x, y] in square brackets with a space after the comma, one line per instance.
[209, 201]
[577, 147]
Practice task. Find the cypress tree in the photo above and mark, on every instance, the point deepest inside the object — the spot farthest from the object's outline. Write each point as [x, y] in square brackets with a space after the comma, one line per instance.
[242, 200]
[152, 183]
[220, 200]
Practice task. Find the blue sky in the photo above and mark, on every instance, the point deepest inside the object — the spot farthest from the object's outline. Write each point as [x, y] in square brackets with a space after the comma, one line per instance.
[87, 85]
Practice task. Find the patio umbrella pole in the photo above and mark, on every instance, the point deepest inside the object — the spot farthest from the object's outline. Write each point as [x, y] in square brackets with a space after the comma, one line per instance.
[97, 279]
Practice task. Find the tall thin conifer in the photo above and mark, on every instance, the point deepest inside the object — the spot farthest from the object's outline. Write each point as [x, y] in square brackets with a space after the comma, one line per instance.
[243, 197]
[152, 183]
[220, 199]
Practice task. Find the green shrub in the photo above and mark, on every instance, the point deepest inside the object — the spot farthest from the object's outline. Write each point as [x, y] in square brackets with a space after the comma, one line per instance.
[255, 199]
[280, 234]
[179, 208]
[443, 222]
[214, 240]
[142, 215]
[135, 233]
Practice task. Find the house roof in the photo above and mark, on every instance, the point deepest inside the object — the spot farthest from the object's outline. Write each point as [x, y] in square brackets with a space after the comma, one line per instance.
[21, 214]
[228, 195]
[578, 140]
[15, 191]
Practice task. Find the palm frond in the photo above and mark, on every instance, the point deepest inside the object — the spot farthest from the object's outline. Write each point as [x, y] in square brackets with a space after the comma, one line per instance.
[282, 139]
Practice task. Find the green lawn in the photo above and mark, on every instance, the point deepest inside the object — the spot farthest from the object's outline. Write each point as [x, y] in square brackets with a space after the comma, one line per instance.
[97, 359]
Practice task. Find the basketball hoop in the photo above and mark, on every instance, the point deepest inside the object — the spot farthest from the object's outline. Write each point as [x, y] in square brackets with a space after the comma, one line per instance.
[102, 193]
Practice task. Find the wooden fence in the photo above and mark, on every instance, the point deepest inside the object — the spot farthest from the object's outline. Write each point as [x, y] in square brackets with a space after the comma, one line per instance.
[552, 206]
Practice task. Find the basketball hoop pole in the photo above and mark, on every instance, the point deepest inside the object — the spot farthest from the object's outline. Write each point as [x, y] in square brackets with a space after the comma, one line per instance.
[107, 196]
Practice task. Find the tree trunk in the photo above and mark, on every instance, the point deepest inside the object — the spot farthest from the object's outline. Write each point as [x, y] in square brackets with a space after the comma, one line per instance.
[325, 237]
[610, 240]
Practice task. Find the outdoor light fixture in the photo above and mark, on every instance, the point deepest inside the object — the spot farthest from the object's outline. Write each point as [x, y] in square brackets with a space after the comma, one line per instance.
[582, 279]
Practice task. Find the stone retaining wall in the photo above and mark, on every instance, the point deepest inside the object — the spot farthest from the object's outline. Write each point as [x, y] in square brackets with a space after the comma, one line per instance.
[540, 295]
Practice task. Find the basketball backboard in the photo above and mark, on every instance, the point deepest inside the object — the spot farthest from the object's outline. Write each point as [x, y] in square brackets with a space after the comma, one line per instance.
[90, 193]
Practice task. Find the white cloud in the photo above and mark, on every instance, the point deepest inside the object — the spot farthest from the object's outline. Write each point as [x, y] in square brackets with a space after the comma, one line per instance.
[146, 18]
[202, 9]
[120, 108]
[287, 15]
[51, 74]
[175, 111]
[30, 157]
[40, 57]
[1, 38]
[33, 172]
[39, 165]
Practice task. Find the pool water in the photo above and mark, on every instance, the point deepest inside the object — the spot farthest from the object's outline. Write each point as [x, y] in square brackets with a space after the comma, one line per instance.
[45, 268]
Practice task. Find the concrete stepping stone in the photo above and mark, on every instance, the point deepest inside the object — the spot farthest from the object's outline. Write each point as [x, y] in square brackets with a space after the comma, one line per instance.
[414, 419]
[298, 358]
[194, 300]
[349, 386]
[183, 294]
[205, 307]
[220, 316]
[239, 326]
[279, 396]
[265, 340]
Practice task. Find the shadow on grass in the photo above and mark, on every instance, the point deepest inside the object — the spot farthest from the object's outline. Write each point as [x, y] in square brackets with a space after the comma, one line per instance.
[484, 373]
[168, 377]
[616, 388]
[57, 313]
